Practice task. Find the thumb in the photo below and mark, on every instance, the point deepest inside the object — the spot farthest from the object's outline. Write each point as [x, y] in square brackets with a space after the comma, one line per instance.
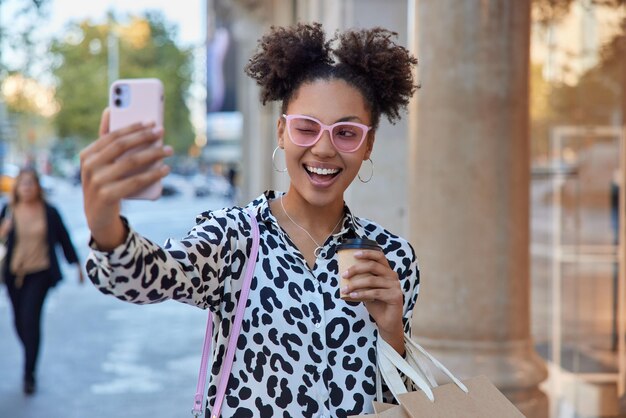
[104, 122]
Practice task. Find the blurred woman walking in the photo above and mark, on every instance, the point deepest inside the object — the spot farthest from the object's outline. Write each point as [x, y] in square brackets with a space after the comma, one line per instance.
[32, 228]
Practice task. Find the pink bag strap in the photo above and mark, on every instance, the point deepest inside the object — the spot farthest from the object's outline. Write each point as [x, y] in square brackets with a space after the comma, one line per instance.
[232, 341]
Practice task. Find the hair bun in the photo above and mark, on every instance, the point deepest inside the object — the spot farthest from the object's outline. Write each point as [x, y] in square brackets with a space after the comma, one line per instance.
[283, 56]
[386, 65]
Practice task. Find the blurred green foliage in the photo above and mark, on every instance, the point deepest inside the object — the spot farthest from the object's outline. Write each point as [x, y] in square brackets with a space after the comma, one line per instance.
[597, 98]
[20, 35]
[554, 10]
[146, 49]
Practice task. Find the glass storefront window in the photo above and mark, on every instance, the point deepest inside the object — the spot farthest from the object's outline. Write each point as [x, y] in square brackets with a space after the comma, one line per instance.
[578, 75]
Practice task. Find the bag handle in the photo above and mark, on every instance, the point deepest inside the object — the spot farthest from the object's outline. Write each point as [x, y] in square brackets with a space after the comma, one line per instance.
[418, 363]
[414, 362]
[389, 362]
[412, 345]
[198, 399]
[232, 341]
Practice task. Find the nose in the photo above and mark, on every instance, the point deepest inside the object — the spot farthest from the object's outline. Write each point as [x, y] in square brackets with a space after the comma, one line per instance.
[324, 147]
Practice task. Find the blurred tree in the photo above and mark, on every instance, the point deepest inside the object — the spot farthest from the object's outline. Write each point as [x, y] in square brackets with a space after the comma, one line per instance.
[552, 10]
[19, 38]
[146, 49]
[25, 104]
[541, 113]
[598, 97]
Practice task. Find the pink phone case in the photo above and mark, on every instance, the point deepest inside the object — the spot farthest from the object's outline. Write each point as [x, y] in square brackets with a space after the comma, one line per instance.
[137, 100]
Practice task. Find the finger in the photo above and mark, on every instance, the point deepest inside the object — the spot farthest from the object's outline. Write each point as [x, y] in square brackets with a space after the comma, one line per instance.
[116, 191]
[102, 131]
[371, 255]
[104, 122]
[366, 267]
[363, 282]
[134, 162]
[124, 142]
[104, 141]
[119, 144]
[382, 295]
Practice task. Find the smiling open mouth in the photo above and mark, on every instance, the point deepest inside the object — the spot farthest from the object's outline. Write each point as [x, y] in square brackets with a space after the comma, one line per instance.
[322, 173]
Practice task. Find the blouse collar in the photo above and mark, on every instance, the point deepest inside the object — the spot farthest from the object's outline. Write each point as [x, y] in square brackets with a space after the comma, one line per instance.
[352, 226]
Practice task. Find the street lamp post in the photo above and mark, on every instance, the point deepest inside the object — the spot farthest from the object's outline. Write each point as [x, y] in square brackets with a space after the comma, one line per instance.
[113, 53]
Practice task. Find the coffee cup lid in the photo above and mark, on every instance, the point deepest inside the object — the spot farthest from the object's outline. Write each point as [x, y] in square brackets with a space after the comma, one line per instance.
[358, 243]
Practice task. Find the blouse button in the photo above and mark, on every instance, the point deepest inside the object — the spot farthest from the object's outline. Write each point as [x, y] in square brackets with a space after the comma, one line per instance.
[317, 325]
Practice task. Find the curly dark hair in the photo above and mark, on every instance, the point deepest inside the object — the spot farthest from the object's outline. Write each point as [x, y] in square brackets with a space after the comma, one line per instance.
[367, 59]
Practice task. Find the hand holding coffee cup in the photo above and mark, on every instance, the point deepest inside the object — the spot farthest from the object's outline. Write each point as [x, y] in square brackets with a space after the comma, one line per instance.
[366, 276]
[346, 258]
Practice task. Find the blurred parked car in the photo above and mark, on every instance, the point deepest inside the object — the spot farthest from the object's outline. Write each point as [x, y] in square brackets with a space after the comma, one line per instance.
[174, 184]
[7, 177]
[210, 185]
[10, 172]
[74, 178]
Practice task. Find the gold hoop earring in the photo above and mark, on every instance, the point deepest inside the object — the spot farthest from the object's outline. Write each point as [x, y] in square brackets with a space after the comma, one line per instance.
[371, 175]
[274, 162]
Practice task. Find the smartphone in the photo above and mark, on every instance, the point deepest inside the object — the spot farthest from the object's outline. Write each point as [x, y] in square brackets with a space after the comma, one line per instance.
[137, 100]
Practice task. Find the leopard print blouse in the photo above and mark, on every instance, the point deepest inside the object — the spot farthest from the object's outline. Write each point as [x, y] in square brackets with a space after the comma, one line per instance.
[302, 351]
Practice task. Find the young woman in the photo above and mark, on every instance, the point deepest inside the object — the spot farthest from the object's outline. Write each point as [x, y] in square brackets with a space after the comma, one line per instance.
[303, 351]
[32, 229]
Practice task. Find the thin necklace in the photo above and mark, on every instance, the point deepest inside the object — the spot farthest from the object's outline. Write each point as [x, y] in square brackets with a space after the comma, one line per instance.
[318, 248]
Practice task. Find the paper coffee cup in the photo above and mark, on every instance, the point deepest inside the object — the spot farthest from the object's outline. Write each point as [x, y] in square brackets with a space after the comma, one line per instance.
[345, 253]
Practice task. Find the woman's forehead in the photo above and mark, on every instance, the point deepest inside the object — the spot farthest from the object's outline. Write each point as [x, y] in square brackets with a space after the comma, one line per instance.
[328, 99]
[27, 177]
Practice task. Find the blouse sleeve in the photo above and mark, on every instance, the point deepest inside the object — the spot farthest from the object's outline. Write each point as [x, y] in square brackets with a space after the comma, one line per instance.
[409, 275]
[410, 280]
[192, 270]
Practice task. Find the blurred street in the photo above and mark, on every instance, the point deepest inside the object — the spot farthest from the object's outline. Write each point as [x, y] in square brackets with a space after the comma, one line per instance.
[101, 357]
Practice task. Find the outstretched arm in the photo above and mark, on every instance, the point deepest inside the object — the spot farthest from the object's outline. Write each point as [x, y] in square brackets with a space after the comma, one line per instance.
[107, 178]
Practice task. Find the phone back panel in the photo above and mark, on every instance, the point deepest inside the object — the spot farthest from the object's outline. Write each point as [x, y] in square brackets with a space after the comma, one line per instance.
[141, 100]
[144, 102]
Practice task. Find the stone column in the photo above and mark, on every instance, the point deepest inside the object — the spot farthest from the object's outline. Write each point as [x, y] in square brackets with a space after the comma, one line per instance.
[253, 19]
[469, 193]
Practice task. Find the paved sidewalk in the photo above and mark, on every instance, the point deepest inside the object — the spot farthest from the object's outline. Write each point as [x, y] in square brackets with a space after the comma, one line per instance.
[103, 358]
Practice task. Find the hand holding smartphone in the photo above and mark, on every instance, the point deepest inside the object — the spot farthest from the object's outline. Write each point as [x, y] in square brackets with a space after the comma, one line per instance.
[137, 100]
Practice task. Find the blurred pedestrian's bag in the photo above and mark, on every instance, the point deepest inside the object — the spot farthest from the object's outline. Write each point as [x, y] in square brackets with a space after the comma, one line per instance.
[3, 256]
[472, 398]
[3, 246]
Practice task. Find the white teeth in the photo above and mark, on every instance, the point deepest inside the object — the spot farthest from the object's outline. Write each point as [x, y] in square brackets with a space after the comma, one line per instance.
[322, 171]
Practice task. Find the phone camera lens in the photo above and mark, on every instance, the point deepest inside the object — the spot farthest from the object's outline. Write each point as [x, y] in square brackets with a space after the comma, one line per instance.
[118, 102]
[118, 90]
